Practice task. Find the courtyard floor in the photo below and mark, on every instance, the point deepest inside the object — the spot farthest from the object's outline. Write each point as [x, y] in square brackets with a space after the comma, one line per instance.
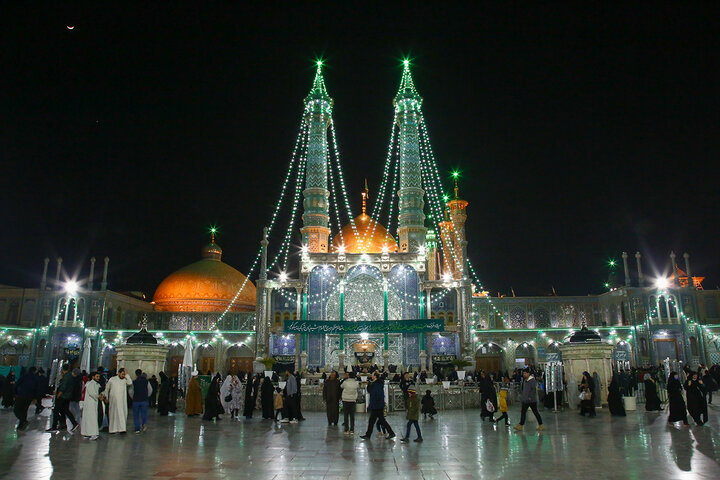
[457, 446]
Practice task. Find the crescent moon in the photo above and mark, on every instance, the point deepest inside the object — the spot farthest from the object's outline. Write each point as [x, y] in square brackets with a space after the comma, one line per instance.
[71, 27]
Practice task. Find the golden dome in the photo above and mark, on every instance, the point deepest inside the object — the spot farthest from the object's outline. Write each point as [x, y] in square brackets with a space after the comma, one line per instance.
[208, 285]
[371, 237]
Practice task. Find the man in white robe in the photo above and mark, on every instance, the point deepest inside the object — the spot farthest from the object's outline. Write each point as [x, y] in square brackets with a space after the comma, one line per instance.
[116, 392]
[89, 422]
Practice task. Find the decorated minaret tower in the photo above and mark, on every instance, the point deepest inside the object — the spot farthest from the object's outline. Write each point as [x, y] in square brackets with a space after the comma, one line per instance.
[316, 215]
[457, 207]
[411, 219]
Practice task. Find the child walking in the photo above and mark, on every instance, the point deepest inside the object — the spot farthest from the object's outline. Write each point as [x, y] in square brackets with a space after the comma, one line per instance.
[278, 403]
[428, 405]
[413, 414]
[503, 406]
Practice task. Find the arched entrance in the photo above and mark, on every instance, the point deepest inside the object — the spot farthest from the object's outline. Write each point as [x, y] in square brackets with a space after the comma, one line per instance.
[524, 355]
[364, 353]
[489, 358]
[239, 358]
[206, 359]
[108, 359]
[174, 359]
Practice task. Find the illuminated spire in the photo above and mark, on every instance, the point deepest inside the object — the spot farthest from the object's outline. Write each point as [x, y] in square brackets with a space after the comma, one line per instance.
[455, 176]
[365, 196]
[318, 86]
[407, 86]
[213, 231]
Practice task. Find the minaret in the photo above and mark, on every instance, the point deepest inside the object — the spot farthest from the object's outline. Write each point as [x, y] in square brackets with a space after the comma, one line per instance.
[316, 215]
[411, 219]
[458, 216]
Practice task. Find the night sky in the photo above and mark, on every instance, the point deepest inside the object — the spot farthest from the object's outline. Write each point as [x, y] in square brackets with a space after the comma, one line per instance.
[580, 133]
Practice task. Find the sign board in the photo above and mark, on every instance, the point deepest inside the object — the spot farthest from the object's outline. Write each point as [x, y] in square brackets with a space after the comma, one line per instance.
[349, 327]
[443, 358]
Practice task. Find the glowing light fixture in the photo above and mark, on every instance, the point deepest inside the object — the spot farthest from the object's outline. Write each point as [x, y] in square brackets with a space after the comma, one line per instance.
[71, 287]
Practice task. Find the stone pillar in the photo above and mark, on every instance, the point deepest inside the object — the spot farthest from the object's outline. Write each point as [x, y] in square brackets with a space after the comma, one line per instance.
[627, 270]
[676, 280]
[641, 280]
[57, 272]
[691, 284]
[103, 285]
[91, 278]
[43, 282]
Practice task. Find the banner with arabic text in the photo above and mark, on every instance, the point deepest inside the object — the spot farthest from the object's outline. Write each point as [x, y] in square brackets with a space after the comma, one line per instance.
[349, 327]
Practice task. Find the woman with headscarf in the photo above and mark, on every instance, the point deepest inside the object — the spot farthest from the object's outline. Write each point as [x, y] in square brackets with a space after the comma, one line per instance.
[675, 399]
[652, 401]
[193, 398]
[8, 390]
[614, 398]
[249, 398]
[213, 406]
[587, 400]
[173, 394]
[267, 392]
[163, 397]
[696, 404]
[488, 395]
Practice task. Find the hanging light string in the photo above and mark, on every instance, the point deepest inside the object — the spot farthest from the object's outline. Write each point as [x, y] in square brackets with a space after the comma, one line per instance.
[334, 203]
[394, 200]
[300, 144]
[341, 177]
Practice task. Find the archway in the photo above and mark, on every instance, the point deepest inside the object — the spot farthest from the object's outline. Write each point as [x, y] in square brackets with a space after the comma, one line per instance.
[490, 358]
[524, 355]
[174, 359]
[205, 359]
[239, 358]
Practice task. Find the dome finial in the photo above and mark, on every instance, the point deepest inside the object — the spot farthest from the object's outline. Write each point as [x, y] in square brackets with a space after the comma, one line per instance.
[213, 230]
[456, 175]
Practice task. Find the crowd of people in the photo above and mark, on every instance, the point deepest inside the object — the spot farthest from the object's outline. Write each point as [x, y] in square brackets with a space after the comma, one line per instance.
[101, 401]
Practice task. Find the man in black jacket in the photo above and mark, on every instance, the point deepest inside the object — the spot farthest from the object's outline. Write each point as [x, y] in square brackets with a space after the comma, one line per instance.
[376, 406]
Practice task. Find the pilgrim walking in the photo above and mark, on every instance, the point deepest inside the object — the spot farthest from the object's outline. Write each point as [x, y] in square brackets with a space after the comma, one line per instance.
[331, 397]
[116, 392]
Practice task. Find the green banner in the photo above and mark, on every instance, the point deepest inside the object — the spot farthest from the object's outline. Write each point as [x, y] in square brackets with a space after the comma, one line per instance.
[391, 326]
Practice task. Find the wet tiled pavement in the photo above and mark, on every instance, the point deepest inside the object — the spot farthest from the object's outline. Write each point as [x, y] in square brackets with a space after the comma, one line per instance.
[457, 446]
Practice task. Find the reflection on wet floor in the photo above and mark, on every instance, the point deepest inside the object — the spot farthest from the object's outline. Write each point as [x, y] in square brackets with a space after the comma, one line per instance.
[457, 445]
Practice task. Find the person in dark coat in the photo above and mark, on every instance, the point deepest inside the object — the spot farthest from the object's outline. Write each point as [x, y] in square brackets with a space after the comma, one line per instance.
[213, 406]
[331, 397]
[710, 385]
[267, 392]
[173, 394]
[652, 401]
[8, 390]
[250, 398]
[675, 399]
[428, 405]
[696, 405]
[487, 392]
[614, 398]
[25, 390]
[155, 390]
[42, 390]
[163, 396]
[299, 397]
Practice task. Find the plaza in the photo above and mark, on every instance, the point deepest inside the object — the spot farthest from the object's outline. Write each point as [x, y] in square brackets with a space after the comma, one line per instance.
[457, 446]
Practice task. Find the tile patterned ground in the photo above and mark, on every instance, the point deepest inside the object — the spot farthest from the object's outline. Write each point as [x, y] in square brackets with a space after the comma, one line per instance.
[457, 446]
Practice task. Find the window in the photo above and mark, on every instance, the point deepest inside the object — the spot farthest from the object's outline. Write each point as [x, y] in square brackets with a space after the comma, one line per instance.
[693, 346]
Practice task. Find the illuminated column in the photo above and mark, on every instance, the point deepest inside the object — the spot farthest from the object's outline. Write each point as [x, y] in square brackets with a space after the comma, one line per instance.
[641, 280]
[91, 279]
[676, 280]
[57, 272]
[411, 219]
[627, 270]
[263, 258]
[691, 283]
[103, 285]
[43, 282]
[458, 216]
[316, 216]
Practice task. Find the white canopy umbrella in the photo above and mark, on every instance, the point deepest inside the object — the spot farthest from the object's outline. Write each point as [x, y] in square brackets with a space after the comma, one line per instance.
[85, 360]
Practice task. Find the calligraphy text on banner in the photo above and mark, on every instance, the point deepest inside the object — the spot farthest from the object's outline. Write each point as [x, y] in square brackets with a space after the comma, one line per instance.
[391, 326]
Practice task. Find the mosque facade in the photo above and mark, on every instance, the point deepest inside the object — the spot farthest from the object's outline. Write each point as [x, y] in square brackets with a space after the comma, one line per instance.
[367, 295]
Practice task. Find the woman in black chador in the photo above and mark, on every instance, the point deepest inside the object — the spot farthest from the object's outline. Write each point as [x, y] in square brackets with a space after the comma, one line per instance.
[487, 393]
[213, 406]
[615, 401]
[696, 404]
[675, 399]
[267, 392]
[250, 397]
[652, 401]
[163, 398]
